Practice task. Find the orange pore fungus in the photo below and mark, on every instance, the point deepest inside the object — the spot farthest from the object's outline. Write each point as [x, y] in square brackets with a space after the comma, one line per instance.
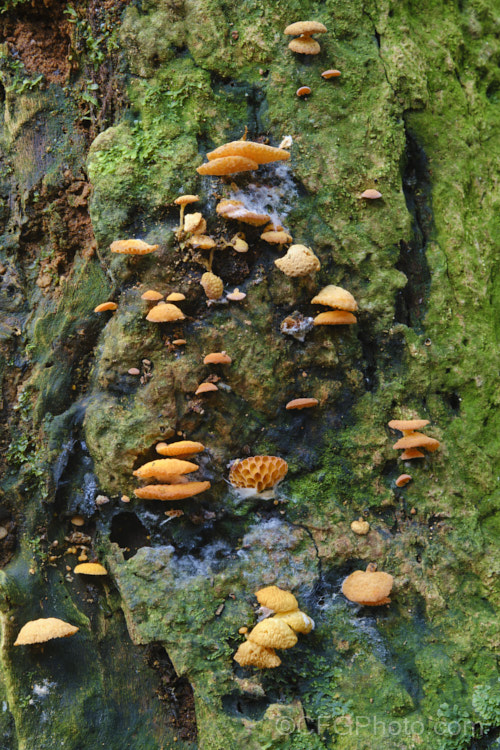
[257, 475]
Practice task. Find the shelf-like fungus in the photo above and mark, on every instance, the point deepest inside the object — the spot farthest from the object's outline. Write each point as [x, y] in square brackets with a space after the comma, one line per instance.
[43, 630]
[205, 388]
[132, 247]
[370, 588]
[171, 491]
[165, 467]
[411, 453]
[298, 261]
[303, 91]
[402, 480]
[227, 165]
[332, 73]
[105, 306]
[217, 358]
[259, 153]
[407, 425]
[276, 599]
[417, 440]
[297, 620]
[276, 237]
[336, 297]
[302, 403]
[152, 296]
[180, 448]
[335, 318]
[257, 476]
[91, 569]
[303, 30]
[371, 194]
[165, 312]
[250, 654]
[273, 633]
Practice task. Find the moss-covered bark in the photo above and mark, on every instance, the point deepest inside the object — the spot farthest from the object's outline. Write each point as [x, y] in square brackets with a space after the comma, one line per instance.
[132, 96]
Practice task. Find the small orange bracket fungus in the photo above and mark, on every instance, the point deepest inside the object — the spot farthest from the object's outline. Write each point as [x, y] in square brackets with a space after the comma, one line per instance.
[152, 296]
[171, 491]
[250, 654]
[305, 44]
[371, 194]
[227, 165]
[408, 425]
[43, 630]
[412, 440]
[132, 247]
[212, 285]
[370, 588]
[217, 358]
[276, 237]
[336, 297]
[273, 633]
[205, 388]
[257, 476]
[105, 306]
[303, 91]
[411, 453]
[276, 599]
[402, 480]
[165, 467]
[180, 448]
[335, 318]
[302, 403]
[332, 73]
[297, 620]
[298, 261]
[91, 569]
[165, 312]
[360, 527]
[259, 153]
[417, 440]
